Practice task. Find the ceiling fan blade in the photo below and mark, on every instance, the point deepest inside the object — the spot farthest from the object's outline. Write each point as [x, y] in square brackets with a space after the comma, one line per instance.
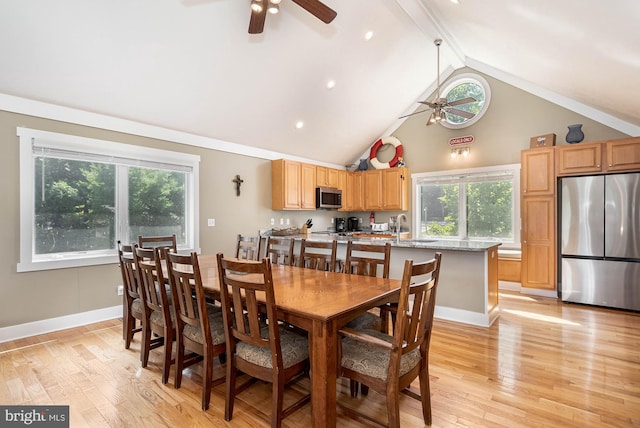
[462, 113]
[462, 101]
[256, 24]
[411, 114]
[318, 9]
[428, 103]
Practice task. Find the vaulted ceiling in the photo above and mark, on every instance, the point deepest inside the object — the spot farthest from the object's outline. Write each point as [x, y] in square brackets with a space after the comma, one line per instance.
[191, 66]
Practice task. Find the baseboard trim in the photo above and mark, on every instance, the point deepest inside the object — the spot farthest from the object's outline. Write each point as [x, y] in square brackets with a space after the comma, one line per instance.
[538, 292]
[60, 323]
[466, 317]
[509, 285]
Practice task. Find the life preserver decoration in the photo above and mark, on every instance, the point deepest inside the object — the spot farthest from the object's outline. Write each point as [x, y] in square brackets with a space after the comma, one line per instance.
[373, 155]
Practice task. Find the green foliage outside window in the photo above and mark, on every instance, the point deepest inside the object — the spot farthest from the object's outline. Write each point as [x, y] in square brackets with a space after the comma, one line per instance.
[488, 208]
[464, 90]
[75, 204]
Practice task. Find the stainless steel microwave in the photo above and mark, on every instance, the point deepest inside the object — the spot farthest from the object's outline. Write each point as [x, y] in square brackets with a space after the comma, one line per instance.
[328, 198]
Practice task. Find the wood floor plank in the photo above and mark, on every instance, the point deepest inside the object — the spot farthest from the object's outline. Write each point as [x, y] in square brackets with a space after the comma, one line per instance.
[542, 364]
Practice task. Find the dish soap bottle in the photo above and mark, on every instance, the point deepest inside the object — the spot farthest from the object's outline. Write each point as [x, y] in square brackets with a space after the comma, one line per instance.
[372, 219]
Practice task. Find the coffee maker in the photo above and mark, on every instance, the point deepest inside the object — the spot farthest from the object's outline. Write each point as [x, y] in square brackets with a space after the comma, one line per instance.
[340, 224]
[352, 224]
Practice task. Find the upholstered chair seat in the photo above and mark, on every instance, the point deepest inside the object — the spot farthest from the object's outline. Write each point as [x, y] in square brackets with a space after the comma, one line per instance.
[216, 327]
[373, 361]
[295, 349]
[366, 321]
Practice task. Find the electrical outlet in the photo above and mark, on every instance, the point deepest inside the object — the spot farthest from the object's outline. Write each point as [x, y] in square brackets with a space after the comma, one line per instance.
[273, 221]
[211, 222]
[281, 222]
[120, 290]
[288, 222]
[331, 220]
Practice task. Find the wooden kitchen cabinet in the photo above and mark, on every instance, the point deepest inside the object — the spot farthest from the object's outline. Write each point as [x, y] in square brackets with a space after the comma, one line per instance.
[354, 200]
[292, 185]
[342, 185]
[307, 187]
[538, 242]
[327, 177]
[373, 190]
[395, 189]
[538, 215]
[579, 158]
[623, 154]
[538, 173]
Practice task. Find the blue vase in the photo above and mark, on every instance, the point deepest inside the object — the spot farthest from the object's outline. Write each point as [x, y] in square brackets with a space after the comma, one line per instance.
[575, 134]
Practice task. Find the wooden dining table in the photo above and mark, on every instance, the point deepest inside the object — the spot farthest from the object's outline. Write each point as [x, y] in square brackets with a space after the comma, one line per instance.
[320, 303]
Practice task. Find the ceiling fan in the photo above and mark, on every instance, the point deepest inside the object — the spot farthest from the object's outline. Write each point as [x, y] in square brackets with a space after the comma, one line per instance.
[259, 10]
[441, 107]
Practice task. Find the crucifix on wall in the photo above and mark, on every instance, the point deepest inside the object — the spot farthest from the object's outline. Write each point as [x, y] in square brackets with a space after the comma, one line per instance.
[238, 182]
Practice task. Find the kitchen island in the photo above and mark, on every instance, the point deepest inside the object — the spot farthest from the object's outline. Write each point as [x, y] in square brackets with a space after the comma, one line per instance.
[468, 287]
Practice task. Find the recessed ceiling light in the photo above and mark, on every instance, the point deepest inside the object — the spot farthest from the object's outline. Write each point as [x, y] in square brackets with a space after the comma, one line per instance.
[299, 124]
[455, 1]
[331, 84]
[368, 35]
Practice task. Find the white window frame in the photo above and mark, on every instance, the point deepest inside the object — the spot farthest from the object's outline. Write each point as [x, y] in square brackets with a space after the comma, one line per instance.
[129, 154]
[420, 178]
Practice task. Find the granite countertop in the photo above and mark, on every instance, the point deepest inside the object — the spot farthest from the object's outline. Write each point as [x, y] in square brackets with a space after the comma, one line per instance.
[453, 245]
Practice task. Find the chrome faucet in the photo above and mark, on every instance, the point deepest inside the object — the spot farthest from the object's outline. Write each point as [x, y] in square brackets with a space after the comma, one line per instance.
[399, 225]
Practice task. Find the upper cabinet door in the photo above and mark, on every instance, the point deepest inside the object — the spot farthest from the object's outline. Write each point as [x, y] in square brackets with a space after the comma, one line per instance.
[579, 158]
[373, 190]
[538, 173]
[395, 189]
[307, 187]
[623, 154]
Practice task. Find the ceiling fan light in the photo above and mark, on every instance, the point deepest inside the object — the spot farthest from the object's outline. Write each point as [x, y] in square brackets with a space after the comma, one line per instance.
[443, 115]
[432, 118]
[256, 6]
[273, 8]
[275, 1]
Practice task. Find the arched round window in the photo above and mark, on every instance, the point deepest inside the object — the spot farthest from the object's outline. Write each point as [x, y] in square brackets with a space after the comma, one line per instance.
[463, 86]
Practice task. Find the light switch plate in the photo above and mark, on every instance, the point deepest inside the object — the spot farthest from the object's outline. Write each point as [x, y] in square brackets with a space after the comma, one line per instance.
[211, 222]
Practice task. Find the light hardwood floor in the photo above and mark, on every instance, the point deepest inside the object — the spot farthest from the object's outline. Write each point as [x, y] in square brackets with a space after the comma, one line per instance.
[543, 363]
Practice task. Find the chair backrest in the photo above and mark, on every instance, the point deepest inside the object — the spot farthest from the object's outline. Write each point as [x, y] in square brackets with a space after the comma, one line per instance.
[248, 247]
[364, 259]
[189, 301]
[128, 270]
[240, 282]
[415, 308]
[318, 255]
[152, 284]
[280, 250]
[158, 241]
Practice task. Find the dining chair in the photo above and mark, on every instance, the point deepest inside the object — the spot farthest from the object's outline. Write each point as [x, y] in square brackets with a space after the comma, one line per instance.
[368, 260]
[280, 250]
[131, 304]
[158, 327]
[259, 347]
[318, 255]
[248, 247]
[168, 241]
[389, 363]
[199, 326]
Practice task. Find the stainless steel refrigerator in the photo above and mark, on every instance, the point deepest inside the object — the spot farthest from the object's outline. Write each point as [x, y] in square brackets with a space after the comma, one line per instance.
[600, 240]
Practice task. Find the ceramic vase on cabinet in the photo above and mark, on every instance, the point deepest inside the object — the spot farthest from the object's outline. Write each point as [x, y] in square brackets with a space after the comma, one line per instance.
[575, 134]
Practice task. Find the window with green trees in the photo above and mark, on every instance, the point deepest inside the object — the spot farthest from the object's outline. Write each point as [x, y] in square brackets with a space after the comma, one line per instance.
[80, 196]
[462, 86]
[478, 204]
